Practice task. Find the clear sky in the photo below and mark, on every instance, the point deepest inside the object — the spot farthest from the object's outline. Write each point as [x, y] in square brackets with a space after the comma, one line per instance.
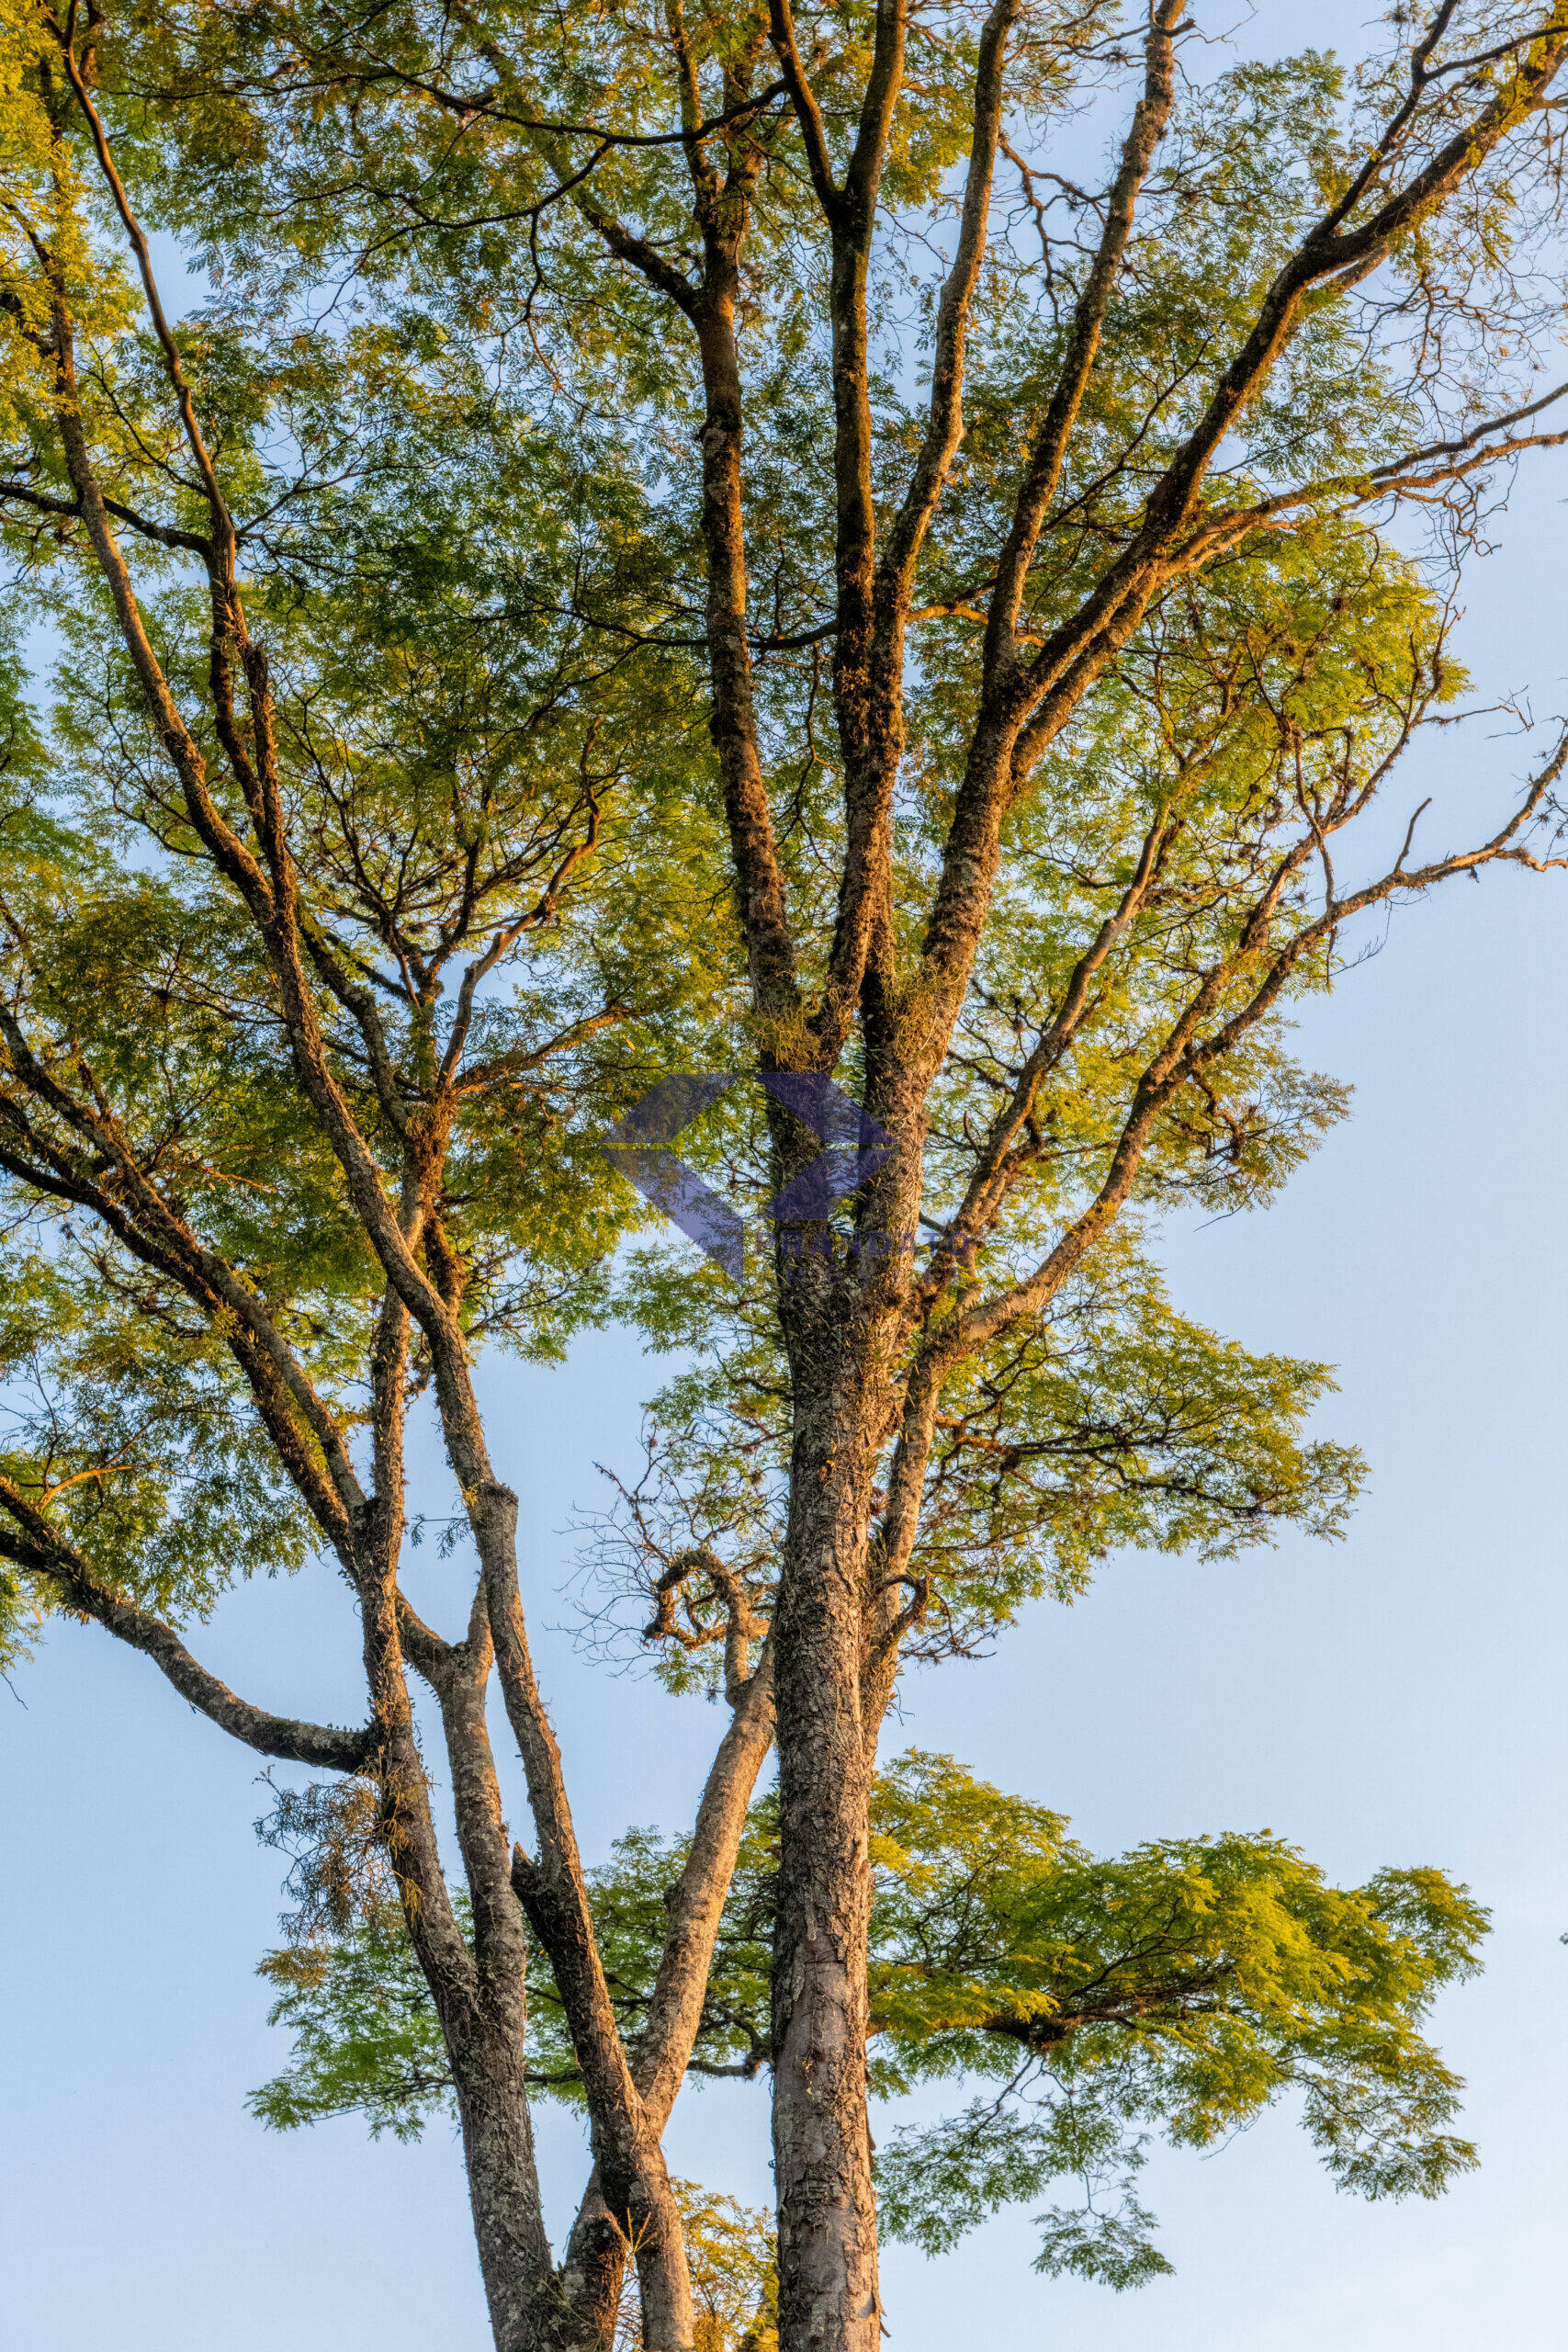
[1396, 1699]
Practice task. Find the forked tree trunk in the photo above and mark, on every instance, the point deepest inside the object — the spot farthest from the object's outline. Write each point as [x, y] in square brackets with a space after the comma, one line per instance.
[594, 2272]
[526, 2309]
[634, 2179]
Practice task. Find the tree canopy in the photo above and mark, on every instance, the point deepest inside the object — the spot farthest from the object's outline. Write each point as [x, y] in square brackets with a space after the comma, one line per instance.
[869, 557]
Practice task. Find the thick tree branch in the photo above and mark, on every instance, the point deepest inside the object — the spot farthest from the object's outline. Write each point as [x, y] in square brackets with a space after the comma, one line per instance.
[33, 1545]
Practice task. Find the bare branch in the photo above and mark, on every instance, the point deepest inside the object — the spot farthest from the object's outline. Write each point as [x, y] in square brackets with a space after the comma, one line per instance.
[33, 1545]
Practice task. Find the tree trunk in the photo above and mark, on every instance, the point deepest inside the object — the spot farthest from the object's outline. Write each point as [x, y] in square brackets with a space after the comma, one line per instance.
[633, 2176]
[594, 2274]
[526, 2310]
[829, 2298]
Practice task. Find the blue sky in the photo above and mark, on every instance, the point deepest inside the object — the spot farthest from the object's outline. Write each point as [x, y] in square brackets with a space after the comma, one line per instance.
[1395, 1699]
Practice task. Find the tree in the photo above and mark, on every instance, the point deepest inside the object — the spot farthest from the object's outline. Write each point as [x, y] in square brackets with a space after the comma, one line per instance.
[1182, 1988]
[1082, 544]
[227, 942]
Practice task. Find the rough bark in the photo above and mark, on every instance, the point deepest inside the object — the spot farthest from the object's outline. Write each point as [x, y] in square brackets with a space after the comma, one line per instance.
[523, 2297]
[633, 2180]
[594, 2267]
[828, 2294]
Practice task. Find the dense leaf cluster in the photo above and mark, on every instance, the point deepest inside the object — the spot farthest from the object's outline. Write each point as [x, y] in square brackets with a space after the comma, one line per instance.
[1089, 2006]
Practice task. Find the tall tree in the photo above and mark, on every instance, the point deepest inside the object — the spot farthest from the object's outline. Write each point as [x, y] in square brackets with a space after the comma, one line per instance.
[1077, 537]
